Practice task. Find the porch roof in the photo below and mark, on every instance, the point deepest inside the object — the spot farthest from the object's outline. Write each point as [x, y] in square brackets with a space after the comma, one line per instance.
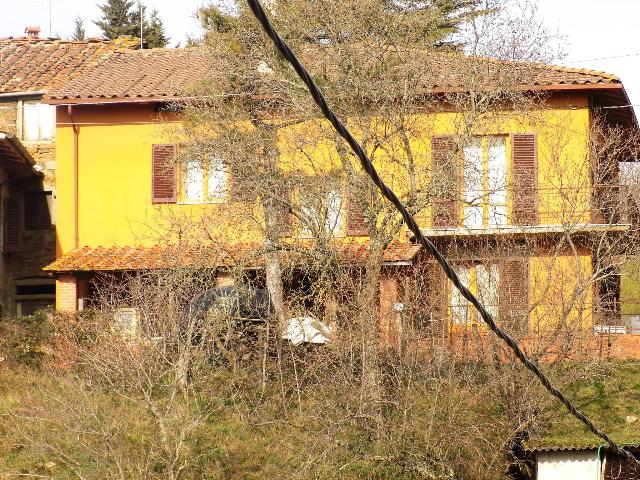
[246, 255]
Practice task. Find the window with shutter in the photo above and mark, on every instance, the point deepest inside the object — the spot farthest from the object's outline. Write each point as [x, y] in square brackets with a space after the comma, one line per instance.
[11, 225]
[524, 158]
[514, 294]
[355, 215]
[216, 179]
[193, 189]
[484, 184]
[320, 211]
[434, 319]
[38, 121]
[444, 183]
[163, 174]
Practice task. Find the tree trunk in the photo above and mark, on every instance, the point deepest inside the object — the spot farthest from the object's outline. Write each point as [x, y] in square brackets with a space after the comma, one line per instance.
[273, 211]
[368, 315]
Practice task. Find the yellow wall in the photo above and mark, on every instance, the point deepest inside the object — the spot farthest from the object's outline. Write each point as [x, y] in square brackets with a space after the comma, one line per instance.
[115, 169]
[560, 290]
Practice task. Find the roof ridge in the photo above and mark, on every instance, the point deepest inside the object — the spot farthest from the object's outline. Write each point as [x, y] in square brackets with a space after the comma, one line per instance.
[549, 66]
[52, 41]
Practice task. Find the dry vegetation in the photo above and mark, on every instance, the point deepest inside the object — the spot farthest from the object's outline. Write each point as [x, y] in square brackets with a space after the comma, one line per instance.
[193, 397]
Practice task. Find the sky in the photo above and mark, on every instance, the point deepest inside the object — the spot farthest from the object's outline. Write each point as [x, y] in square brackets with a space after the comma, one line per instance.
[595, 30]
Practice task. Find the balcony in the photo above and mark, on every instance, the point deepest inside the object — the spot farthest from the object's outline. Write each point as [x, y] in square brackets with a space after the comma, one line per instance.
[602, 208]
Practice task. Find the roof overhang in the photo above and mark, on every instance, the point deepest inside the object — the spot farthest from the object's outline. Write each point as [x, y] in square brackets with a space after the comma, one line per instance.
[17, 95]
[13, 156]
[113, 100]
[534, 446]
[226, 256]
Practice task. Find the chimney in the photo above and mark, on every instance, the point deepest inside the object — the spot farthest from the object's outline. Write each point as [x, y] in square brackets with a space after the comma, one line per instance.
[32, 31]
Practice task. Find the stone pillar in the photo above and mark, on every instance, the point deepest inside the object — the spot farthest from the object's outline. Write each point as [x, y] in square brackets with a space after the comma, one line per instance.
[67, 293]
[389, 316]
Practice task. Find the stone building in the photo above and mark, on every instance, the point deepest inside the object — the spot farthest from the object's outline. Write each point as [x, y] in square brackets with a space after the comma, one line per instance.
[30, 67]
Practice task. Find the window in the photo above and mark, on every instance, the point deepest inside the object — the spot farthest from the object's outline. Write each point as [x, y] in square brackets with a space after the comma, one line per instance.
[485, 182]
[460, 308]
[321, 211]
[38, 211]
[483, 280]
[34, 294]
[38, 121]
[205, 182]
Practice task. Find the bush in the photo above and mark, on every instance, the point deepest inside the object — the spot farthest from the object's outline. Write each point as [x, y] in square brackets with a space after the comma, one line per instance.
[26, 340]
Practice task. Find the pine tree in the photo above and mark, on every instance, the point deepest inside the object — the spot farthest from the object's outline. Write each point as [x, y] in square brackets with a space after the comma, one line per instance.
[116, 19]
[122, 17]
[79, 33]
[152, 28]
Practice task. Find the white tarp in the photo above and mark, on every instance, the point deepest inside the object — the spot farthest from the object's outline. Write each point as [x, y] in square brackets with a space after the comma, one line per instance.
[307, 330]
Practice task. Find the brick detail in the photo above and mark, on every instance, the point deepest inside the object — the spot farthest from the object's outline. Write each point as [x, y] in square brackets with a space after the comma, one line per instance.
[67, 293]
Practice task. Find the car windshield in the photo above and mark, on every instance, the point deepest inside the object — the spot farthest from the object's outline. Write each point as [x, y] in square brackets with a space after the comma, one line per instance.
[242, 302]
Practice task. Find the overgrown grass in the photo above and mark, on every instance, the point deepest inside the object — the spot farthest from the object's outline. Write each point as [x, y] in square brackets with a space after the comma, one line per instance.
[611, 398]
[309, 417]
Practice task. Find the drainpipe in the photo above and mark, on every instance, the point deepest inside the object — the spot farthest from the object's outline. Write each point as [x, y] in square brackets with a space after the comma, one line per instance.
[76, 134]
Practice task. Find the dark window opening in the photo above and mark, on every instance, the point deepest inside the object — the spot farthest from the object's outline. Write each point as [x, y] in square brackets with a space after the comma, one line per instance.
[37, 211]
[43, 289]
[29, 307]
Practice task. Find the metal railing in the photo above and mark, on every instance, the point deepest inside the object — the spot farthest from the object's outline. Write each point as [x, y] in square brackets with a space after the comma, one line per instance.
[600, 204]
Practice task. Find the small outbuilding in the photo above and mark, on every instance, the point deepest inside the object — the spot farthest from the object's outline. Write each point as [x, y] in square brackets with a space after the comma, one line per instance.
[582, 462]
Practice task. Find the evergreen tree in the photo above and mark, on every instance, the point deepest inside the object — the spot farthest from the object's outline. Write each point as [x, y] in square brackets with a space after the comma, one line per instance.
[79, 33]
[116, 19]
[123, 17]
[152, 28]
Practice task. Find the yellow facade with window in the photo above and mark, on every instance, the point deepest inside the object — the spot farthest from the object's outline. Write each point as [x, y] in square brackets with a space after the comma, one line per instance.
[113, 145]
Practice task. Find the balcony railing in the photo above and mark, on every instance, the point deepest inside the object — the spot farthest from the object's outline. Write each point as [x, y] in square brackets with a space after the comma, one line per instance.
[561, 207]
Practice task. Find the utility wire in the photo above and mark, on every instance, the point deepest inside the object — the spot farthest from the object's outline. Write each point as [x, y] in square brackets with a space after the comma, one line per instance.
[636, 54]
[368, 167]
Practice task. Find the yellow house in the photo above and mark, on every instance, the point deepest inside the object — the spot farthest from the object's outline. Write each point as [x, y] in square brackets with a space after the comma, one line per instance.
[519, 214]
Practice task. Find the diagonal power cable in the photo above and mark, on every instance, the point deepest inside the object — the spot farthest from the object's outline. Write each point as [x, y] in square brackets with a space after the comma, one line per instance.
[368, 167]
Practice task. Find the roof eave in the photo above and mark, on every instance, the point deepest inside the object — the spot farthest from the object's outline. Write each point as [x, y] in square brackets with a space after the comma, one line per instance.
[111, 100]
[19, 149]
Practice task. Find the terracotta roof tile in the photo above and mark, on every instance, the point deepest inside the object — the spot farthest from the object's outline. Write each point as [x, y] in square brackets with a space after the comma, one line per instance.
[211, 256]
[154, 73]
[170, 73]
[43, 64]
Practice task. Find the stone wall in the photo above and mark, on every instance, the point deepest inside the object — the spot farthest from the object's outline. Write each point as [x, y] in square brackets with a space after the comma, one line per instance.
[37, 247]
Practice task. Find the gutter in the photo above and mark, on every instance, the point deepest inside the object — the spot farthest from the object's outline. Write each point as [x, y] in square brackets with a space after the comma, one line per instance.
[38, 93]
[76, 135]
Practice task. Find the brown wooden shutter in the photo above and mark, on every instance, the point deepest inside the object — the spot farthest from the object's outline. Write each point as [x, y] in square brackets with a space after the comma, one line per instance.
[163, 174]
[12, 225]
[437, 300]
[524, 158]
[445, 183]
[241, 189]
[355, 216]
[514, 294]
